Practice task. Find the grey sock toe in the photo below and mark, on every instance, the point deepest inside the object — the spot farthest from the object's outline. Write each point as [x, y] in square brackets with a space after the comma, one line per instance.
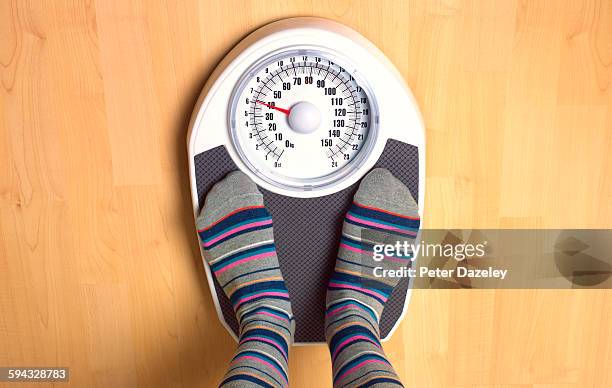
[379, 188]
[235, 191]
[239, 182]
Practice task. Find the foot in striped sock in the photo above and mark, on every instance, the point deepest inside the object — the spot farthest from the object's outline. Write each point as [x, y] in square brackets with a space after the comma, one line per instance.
[383, 212]
[235, 230]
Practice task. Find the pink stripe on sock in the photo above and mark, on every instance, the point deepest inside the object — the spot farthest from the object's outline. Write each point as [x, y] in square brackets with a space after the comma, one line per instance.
[363, 337]
[272, 293]
[238, 262]
[259, 360]
[367, 291]
[357, 367]
[272, 315]
[236, 230]
[350, 248]
[377, 225]
[339, 309]
[266, 340]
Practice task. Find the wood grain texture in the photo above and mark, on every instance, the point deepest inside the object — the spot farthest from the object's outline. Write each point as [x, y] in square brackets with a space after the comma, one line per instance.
[99, 265]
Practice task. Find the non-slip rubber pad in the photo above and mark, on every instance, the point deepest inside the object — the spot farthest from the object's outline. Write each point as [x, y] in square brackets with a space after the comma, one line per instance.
[307, 232]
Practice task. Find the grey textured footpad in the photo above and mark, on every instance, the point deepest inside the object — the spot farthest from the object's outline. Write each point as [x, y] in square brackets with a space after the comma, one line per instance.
[307, 231]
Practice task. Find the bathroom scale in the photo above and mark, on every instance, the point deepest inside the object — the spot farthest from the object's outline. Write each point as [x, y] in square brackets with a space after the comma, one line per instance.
[306, 107]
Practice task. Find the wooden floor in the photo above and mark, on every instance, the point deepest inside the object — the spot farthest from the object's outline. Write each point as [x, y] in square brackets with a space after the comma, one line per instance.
[99, 263]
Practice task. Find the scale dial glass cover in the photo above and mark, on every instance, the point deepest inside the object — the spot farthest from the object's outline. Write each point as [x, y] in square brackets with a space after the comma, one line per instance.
[303, 119]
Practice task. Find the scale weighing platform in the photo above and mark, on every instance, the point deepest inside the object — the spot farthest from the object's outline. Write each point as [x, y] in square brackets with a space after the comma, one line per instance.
[306, 107]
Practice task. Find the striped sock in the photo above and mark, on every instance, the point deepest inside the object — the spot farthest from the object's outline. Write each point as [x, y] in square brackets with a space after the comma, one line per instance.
[235, 230]
[383, 212]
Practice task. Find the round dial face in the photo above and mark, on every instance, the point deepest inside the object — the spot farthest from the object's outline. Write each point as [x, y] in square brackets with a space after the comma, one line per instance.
[302, 119]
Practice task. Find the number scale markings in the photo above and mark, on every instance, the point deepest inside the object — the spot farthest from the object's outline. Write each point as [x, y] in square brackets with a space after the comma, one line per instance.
[347, 92]
[328, 135]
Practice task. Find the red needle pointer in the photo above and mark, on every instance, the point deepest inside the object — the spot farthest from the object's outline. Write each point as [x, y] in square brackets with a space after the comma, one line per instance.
[285, 111]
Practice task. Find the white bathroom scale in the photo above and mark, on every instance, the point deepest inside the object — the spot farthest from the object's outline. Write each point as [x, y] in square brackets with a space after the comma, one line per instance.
[306, 107]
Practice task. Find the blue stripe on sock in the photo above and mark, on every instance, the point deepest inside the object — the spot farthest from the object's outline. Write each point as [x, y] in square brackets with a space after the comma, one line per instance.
[388, 231]
[276, 285]
[356, 244]
[354, 263]
[269, 310]
[249, 273]
[346, 302]
[364, 357]
[245, 322]
[248, 230]
[241, 255]
[269, 334]
[396, 226]
[277, 297]
[350, 383]
[262, 357]
[245, 222]
[249, 378]
[352, 316]
[255, 369]
[381, 380]
[379, 216]
[350, 331]
[345, 278]
[234, 219]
